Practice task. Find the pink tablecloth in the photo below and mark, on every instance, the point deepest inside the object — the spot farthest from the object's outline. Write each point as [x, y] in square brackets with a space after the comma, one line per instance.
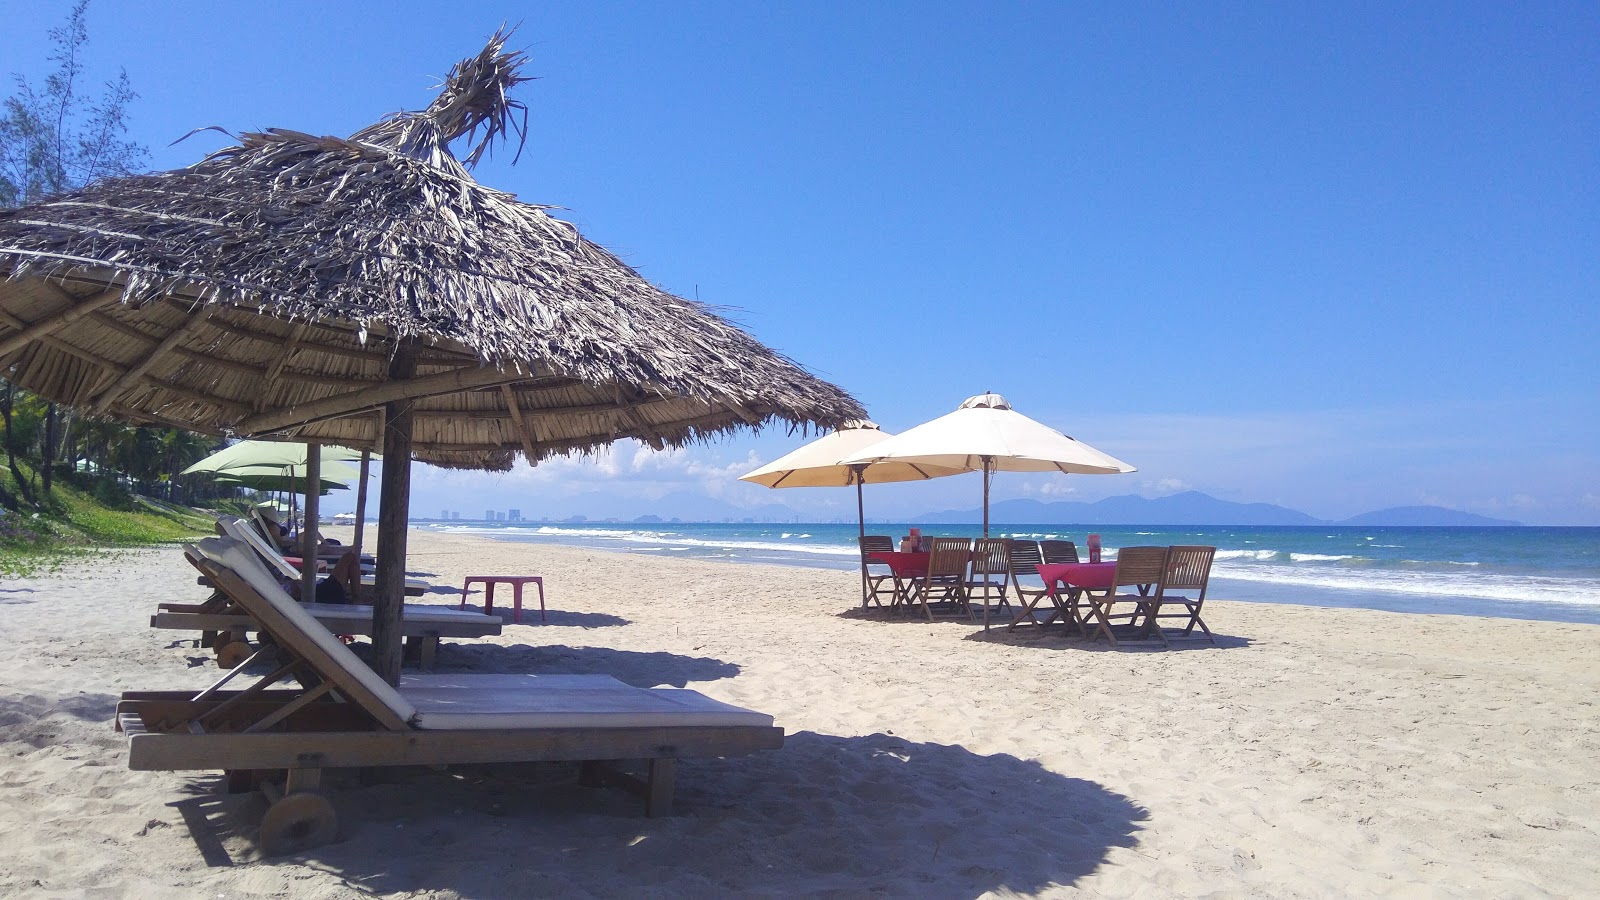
[1079, 575]
[905, 565]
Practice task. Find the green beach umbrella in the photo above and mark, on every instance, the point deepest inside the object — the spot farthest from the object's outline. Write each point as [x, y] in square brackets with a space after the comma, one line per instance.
[335, 477]
[274, 455]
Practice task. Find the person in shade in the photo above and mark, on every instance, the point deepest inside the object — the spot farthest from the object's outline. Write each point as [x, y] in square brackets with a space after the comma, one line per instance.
[290, 544]
[340, 584]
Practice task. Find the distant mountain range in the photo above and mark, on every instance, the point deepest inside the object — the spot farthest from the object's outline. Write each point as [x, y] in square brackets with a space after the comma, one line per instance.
[1192, 508]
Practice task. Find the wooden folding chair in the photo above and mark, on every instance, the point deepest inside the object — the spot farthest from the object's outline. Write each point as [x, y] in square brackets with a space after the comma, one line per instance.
[1024, 561]
[1183, 591]
[946, 580]
[1141, 568]
[1058, 552]
[991, 570]
[877, 579]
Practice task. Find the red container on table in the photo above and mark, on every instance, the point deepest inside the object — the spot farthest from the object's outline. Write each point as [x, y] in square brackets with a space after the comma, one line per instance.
[1094, 548]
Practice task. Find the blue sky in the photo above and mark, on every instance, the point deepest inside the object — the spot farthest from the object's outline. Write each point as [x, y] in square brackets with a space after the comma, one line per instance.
[1338, 257]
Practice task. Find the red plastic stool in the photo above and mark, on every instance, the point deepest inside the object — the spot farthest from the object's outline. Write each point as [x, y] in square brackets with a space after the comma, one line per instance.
[516, 582]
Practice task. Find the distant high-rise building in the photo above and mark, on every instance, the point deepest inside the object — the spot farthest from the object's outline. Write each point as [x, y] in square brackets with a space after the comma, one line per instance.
[488, 515]
[514, 515]
[444, 513]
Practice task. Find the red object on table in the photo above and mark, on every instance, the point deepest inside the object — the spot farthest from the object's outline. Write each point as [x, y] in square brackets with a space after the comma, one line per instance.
[516, 582]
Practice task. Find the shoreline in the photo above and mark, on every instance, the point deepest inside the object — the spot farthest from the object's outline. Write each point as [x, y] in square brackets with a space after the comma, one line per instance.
[1314, 751]
[1229, 581]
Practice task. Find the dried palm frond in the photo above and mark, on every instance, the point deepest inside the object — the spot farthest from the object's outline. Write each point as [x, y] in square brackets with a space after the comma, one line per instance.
[264, 289]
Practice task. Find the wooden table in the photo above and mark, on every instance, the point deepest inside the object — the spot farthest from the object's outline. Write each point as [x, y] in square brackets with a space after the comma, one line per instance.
[907, 568]
[1064, 580]
[516, 582]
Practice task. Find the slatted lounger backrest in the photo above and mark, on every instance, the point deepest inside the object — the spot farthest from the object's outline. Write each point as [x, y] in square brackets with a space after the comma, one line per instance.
[297, 631]
[240, 530]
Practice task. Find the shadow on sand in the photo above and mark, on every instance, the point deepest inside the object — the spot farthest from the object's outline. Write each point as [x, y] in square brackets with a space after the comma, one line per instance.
[1049, 637]
[635, 667]
[872, 815]
[1057, 637]
[562, 618]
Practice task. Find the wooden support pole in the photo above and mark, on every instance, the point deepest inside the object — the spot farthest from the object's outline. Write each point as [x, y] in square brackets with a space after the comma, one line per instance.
[308, 530]
[524, 428]
[361, 501]
[394, 503]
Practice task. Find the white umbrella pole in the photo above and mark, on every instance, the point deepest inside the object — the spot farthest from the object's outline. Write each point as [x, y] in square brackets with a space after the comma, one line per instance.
[308, 530]
[861, 510]
[987, 462]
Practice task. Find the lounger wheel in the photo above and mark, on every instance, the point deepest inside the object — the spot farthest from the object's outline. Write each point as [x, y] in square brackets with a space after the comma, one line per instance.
[298, 822]
[232, 653]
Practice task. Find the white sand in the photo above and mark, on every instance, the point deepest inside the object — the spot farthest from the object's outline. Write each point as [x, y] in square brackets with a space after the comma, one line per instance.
[1314, 753]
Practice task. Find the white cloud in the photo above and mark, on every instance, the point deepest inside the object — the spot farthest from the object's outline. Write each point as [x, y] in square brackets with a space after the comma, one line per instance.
[1329, 463]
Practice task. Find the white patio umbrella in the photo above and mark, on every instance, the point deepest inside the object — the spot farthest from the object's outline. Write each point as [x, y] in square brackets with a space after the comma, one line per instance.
[986, 434]
[820, 464]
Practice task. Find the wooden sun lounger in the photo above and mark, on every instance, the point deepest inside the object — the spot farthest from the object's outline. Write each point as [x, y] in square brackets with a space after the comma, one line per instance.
[346, 716]
[240, 530]
[224, 625]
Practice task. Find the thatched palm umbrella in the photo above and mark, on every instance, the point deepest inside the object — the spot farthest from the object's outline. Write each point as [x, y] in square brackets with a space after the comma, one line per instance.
[366, 291]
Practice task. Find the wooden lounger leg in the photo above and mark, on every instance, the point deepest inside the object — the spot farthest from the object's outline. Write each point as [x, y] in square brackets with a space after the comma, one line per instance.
[656, 787]
[300, 818]
[422, 649]
[658, 791]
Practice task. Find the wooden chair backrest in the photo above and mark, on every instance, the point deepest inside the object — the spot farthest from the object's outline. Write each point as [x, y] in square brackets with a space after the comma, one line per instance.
[991, 556]
[949, 556]
[1188, 568]
[1141, 565]
[1058, 552]
[1025, 558]
[240, 530]
[234, 569]
[265, 527]
[874, 543]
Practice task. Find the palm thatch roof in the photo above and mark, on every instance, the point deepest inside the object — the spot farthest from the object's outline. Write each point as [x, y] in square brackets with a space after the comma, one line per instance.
[263, 290]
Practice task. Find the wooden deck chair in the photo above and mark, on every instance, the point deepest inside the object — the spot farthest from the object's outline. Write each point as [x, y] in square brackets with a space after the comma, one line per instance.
[240, 530]
[1183, 591]
[268, 529]
[1059, 552]
[342, 715]
[877, 579]
[1025, 583]
[225, 627]
[946, 581]
[990, 572]
[1141, 568]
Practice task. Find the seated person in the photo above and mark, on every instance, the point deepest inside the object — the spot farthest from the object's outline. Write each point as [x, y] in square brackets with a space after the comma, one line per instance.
[340, 584]
[290, 546]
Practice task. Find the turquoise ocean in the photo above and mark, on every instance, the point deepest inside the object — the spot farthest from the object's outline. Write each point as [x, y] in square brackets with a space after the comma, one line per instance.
[1551, 574]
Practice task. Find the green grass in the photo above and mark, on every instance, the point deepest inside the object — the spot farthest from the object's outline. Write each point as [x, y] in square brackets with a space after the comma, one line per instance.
[74, 525]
